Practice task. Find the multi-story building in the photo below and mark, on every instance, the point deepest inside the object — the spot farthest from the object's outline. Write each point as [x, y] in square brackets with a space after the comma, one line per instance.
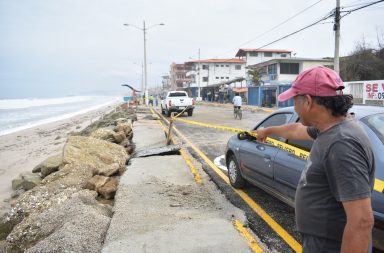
[214, 72]
[254, 56]
[166, 82]
[178, 76]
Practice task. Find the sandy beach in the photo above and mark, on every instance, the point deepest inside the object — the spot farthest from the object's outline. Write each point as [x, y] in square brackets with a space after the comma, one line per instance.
[23, 150]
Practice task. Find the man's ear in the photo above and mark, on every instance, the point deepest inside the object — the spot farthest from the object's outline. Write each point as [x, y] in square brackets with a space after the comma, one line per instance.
[308, 102]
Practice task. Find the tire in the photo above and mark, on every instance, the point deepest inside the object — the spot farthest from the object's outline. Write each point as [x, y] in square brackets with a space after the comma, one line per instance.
[235, 113]
[240, 114]
[168, 113]
[190, 112]
[234, 174]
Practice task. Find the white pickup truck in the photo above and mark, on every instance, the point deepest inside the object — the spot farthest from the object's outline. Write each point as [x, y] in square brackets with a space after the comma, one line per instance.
[177, 101]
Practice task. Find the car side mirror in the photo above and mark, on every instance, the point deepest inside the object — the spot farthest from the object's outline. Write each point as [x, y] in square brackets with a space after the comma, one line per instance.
[245, 136]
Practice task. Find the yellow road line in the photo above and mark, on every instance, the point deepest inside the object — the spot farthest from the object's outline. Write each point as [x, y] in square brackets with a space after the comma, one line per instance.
[255, 207]
[188, 161]
[250, 240]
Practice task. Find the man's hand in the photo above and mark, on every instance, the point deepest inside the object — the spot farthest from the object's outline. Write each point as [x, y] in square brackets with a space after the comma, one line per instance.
[261, 134]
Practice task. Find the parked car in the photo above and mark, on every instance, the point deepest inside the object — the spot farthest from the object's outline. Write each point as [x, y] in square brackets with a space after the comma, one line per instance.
[177, 101]
[278, 172]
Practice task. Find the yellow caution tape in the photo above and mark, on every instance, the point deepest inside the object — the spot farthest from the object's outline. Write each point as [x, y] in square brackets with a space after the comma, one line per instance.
[379, 184]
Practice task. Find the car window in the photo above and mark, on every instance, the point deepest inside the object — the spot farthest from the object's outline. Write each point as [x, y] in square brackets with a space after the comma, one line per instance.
[276, 120]
[301, 144]
[177, 94]
[376, 123]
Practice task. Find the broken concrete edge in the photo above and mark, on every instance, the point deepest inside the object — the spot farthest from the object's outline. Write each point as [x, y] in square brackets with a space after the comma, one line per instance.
[162, 150]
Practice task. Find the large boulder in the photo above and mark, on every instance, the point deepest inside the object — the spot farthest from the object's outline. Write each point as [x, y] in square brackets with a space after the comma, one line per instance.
[49, 165]
[104, 134]
[52, 190]
[77, 224]
[26, 181]
[104, 157]
[123, 127]
[96, 182]
[108, 190]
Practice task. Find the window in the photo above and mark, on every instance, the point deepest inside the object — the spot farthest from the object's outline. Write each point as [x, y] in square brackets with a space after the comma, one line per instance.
[217, 66]
[289, 68]
[222, 65]
[222, 77]
[272, 69]
[177, 94]
[253, 54]
[237, 67]
[283, 55]
[267, 54]
[227, 77]
[217, 77]
[276, 120]
[205, 79]
[205, 67]
[376, 124]
[301, 144]
[227, 66]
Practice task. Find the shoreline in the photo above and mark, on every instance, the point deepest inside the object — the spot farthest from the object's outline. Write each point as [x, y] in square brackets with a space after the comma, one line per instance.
[21, 151]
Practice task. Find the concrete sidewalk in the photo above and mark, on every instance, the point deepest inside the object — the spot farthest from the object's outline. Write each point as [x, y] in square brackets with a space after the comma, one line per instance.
[160, 208]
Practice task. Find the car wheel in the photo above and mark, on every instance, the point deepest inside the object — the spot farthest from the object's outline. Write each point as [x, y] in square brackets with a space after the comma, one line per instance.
[234, 174]
[190, 112]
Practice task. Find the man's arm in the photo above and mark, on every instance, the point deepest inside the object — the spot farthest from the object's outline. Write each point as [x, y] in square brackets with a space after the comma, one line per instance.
[357, 231]
[295, 131]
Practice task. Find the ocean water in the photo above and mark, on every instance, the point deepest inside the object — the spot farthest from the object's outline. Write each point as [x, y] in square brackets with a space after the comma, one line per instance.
[19, 114]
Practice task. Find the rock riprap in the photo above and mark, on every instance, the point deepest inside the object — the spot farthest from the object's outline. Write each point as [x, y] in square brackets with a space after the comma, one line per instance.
[58, 212]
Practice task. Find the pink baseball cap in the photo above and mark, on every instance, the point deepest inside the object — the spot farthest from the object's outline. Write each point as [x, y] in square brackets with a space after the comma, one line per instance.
[318, 81]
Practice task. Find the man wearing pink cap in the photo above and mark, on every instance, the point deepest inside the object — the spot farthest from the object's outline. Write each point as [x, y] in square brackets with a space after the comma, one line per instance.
[333, 198]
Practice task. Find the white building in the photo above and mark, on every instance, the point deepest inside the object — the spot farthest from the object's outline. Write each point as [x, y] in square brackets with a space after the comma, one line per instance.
[255, 56]
[215, 71]
[284, 71]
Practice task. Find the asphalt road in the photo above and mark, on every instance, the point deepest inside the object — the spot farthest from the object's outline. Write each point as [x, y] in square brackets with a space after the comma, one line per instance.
[212, 143]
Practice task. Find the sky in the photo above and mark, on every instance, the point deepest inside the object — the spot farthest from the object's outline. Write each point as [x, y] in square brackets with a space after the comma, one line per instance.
[55, 48]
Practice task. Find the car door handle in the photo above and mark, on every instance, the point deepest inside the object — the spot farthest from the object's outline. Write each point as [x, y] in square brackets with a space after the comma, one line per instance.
[267, 158]
[260, 147]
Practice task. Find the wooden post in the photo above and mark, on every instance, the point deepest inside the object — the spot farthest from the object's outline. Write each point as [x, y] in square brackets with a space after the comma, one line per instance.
[170, 130]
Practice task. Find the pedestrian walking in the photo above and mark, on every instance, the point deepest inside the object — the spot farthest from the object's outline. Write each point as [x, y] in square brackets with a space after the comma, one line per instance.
[333, 198]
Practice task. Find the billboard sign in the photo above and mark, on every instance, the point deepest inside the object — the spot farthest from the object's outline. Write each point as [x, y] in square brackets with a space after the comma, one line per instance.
[373, 90]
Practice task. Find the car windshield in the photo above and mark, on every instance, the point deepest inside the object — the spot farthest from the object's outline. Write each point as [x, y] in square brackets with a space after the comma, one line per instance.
[376, 123]
[178, 94]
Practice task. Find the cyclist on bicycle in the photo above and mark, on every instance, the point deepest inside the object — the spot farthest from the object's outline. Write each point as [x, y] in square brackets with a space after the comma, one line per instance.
[237, 101]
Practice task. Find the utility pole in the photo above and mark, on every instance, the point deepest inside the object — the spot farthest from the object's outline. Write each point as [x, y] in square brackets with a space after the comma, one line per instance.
[198, 79]
[336, 28]
[145, 64]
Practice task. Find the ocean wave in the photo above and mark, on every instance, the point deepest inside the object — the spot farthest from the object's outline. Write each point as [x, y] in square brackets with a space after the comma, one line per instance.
[32, 102]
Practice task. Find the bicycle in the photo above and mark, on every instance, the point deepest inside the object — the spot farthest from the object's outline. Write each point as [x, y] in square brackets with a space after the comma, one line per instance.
[237, 113]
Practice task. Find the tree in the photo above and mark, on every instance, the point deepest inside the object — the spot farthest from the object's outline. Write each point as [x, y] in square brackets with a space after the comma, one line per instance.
[365, 63]
[255, 75]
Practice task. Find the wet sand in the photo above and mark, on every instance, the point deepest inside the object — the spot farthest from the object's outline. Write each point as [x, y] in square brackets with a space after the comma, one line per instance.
[22, 151]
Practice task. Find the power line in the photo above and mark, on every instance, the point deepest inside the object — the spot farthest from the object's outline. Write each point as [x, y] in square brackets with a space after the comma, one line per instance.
[306, 27]
[359, 8]
[276, 26]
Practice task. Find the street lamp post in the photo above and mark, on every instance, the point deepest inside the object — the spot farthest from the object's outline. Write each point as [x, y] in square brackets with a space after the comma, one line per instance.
[145, 29]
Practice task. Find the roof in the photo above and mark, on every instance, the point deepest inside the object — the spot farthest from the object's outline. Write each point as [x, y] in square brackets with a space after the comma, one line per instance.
[265, 63]
[231, 60]
[240, 90]
[243, 51]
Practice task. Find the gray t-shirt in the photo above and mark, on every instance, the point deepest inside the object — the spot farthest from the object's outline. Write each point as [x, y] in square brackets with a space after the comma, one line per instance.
[340, 168]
